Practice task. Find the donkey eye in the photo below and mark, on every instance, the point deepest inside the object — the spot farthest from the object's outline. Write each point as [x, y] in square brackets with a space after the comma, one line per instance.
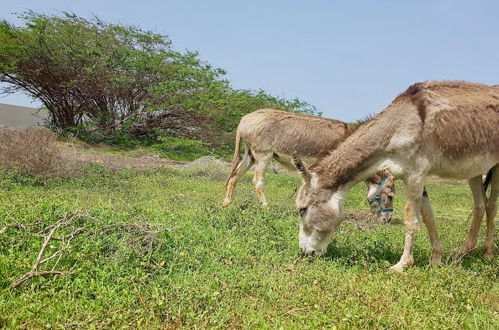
[303, 210]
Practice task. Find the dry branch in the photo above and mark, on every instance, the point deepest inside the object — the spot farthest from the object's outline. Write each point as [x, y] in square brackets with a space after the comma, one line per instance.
[17, 225]
[10, 225]
[66, 241]
[29, 275]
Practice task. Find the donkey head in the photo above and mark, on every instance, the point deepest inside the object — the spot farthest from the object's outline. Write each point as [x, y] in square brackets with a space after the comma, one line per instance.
[321, 208]
[319, 216]
[381, 190]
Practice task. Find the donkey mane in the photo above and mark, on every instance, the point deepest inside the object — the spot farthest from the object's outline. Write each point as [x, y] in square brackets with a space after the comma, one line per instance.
[351, 129]
[448, 104]
[359, 122]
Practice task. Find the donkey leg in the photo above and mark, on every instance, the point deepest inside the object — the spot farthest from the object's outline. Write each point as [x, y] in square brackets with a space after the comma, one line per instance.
[477, 216]
[429, 221]
[412, 224]
[491, 210]
[261, 163]
[242, 168]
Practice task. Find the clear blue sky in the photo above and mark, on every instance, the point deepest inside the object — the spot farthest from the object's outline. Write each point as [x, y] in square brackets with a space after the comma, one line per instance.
[348, 58]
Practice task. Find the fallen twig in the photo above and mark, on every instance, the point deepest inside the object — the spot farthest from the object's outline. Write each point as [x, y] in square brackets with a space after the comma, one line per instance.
[294, 310]
[142, 301]
[66, 241]
[17, 225]
[68, 237]
[458, 256]
[10, 225]
[29, 275]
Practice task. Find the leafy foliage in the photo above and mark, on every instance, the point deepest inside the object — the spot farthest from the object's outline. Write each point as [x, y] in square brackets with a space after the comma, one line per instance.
[87, 68]
[102, 78]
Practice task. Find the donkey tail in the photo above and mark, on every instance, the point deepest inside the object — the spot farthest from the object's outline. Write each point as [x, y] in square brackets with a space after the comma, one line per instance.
[487, 180]
[235, 158]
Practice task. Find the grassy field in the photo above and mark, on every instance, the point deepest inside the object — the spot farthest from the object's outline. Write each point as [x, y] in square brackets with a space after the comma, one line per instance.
[158, 250]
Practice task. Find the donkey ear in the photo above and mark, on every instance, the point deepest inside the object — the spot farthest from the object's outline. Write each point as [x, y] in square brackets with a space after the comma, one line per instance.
[302, 168]
[391, 181]
[390, 177]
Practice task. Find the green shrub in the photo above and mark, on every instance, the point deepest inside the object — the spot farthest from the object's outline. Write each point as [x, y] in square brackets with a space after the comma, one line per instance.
[84, 71]
[180, 149]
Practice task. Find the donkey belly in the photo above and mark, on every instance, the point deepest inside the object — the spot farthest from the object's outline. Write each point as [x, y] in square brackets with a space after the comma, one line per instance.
[466, 167]
[287, 161]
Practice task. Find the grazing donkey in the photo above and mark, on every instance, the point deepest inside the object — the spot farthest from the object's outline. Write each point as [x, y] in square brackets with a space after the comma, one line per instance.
[449, 129]
[269, 133]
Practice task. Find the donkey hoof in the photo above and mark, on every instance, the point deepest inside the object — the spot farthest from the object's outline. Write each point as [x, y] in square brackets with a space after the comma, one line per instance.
[397, 268]
[467, 247]
[436, 259]
[488, 255]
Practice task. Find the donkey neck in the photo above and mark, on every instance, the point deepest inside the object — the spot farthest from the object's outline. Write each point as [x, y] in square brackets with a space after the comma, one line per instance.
[346, 164]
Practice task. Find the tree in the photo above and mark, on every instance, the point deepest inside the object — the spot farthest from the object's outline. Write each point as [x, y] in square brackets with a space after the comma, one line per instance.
[87, 69]
[120, 78]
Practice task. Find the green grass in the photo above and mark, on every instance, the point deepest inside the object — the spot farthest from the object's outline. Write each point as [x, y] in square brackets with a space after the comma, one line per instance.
[235, 267]
[179, 149]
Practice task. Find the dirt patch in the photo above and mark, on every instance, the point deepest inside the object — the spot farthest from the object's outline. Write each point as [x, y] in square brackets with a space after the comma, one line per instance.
[208, 161]
[105, 156]
[115, 157]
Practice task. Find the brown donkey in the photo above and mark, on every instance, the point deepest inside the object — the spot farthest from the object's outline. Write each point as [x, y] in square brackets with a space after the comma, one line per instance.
[449, 129]
[269, 133]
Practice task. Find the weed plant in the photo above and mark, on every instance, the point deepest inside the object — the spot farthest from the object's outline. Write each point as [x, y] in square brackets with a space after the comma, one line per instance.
[159, 251]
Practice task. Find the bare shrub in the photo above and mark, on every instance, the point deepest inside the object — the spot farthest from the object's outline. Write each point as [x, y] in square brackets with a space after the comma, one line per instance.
[32, 150]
